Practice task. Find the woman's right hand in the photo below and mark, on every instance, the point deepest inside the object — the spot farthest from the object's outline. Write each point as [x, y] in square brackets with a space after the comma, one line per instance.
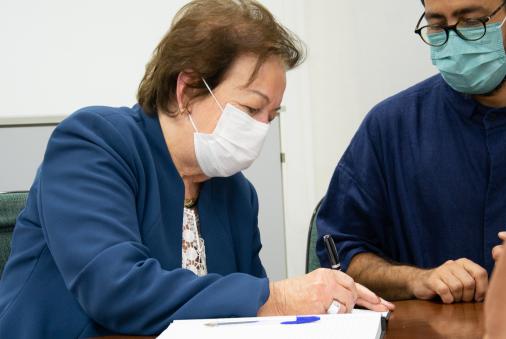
[313, 293]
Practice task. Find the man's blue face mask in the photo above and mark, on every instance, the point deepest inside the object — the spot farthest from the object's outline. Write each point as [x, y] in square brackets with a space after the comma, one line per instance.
[471, 67]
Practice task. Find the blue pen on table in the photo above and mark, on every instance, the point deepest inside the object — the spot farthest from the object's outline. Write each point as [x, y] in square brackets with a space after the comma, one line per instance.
[330, 246]
[298, 320]
[301, 320]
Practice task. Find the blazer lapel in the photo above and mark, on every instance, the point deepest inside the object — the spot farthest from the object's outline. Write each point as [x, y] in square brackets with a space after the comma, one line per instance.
[215, 229]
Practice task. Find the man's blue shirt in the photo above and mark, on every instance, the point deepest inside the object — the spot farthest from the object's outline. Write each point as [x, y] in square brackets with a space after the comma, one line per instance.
[423, 181]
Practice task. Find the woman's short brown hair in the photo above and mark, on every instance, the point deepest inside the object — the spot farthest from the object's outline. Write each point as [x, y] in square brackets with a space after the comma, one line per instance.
[206, 36]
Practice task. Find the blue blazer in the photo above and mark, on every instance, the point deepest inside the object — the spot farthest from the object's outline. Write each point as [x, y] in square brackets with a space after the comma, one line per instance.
[97, 250]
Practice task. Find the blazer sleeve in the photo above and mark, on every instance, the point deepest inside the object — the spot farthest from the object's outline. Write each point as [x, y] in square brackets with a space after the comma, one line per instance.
[354, 210]
[88, 197]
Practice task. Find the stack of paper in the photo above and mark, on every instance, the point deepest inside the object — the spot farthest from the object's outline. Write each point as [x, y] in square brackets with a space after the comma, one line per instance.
[360, 325]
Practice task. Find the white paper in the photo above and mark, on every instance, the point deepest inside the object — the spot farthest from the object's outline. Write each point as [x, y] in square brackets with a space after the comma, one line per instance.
[385, 315]
[361, 325]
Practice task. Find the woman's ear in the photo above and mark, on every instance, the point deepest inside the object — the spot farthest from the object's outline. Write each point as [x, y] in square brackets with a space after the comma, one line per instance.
[182, 89]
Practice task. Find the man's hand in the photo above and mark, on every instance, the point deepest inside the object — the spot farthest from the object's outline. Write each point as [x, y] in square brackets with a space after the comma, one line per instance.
[498, 250]
[454, 281]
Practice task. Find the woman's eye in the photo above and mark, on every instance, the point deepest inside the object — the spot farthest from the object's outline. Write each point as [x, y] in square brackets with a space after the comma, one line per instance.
[251, 110]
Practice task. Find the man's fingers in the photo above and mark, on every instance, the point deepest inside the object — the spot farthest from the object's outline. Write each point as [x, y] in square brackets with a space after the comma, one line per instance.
[480, 276]
[454, 284]
[467, 281]
[443, 291]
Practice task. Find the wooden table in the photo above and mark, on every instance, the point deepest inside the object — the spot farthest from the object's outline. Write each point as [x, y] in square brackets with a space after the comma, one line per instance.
[415, 319]
[425, 319]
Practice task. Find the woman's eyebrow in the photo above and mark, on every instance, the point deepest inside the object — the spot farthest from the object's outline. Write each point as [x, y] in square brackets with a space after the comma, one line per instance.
[264, 96]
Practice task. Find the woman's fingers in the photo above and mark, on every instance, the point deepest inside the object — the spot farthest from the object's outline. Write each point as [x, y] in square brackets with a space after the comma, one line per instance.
[345, 299]
[368, 299]
[372, 307]
[336, 308]
[347, 282]
[366, 294]
[388, 304]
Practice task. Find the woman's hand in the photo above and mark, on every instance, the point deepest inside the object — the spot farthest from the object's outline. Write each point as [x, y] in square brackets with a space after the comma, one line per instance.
[365, 297]
[313, 293]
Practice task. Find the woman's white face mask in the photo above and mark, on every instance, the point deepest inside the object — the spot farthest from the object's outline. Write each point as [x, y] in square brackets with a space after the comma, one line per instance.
[234, 145]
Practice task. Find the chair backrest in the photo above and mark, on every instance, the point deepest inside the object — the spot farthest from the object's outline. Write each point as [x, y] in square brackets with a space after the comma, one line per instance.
[312, 261]
[11, 204]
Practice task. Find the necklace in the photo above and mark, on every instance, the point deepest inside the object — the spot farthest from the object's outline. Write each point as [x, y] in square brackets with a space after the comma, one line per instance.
[190, 203]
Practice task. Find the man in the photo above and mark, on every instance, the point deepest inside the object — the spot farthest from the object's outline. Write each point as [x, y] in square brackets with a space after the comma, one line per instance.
[418, 199]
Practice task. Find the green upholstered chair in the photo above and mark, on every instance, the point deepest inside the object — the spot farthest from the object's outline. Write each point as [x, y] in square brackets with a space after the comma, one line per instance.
[11, 204]
[312, 261]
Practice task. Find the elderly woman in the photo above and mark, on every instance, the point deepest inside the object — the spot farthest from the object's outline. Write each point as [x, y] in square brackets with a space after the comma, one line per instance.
[139, 216]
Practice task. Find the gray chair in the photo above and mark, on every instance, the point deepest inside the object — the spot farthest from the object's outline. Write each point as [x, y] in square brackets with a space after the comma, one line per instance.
[11, 204]
[312, 261]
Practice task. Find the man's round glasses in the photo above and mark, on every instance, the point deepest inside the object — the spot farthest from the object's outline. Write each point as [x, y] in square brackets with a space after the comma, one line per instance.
[467, 29]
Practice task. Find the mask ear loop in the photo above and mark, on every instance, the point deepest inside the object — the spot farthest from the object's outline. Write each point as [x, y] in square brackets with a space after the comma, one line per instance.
[502, 23]
[193, 124]
[215, 99]
[209, 89]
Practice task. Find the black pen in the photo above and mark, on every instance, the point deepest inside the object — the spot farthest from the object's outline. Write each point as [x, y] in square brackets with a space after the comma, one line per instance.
[330, 246]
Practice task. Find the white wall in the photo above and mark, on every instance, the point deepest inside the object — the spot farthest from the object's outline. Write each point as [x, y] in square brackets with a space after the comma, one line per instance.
[58, 56]
[297, 144]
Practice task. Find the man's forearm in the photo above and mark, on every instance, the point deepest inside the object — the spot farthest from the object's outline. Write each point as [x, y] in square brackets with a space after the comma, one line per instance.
[390, 281]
